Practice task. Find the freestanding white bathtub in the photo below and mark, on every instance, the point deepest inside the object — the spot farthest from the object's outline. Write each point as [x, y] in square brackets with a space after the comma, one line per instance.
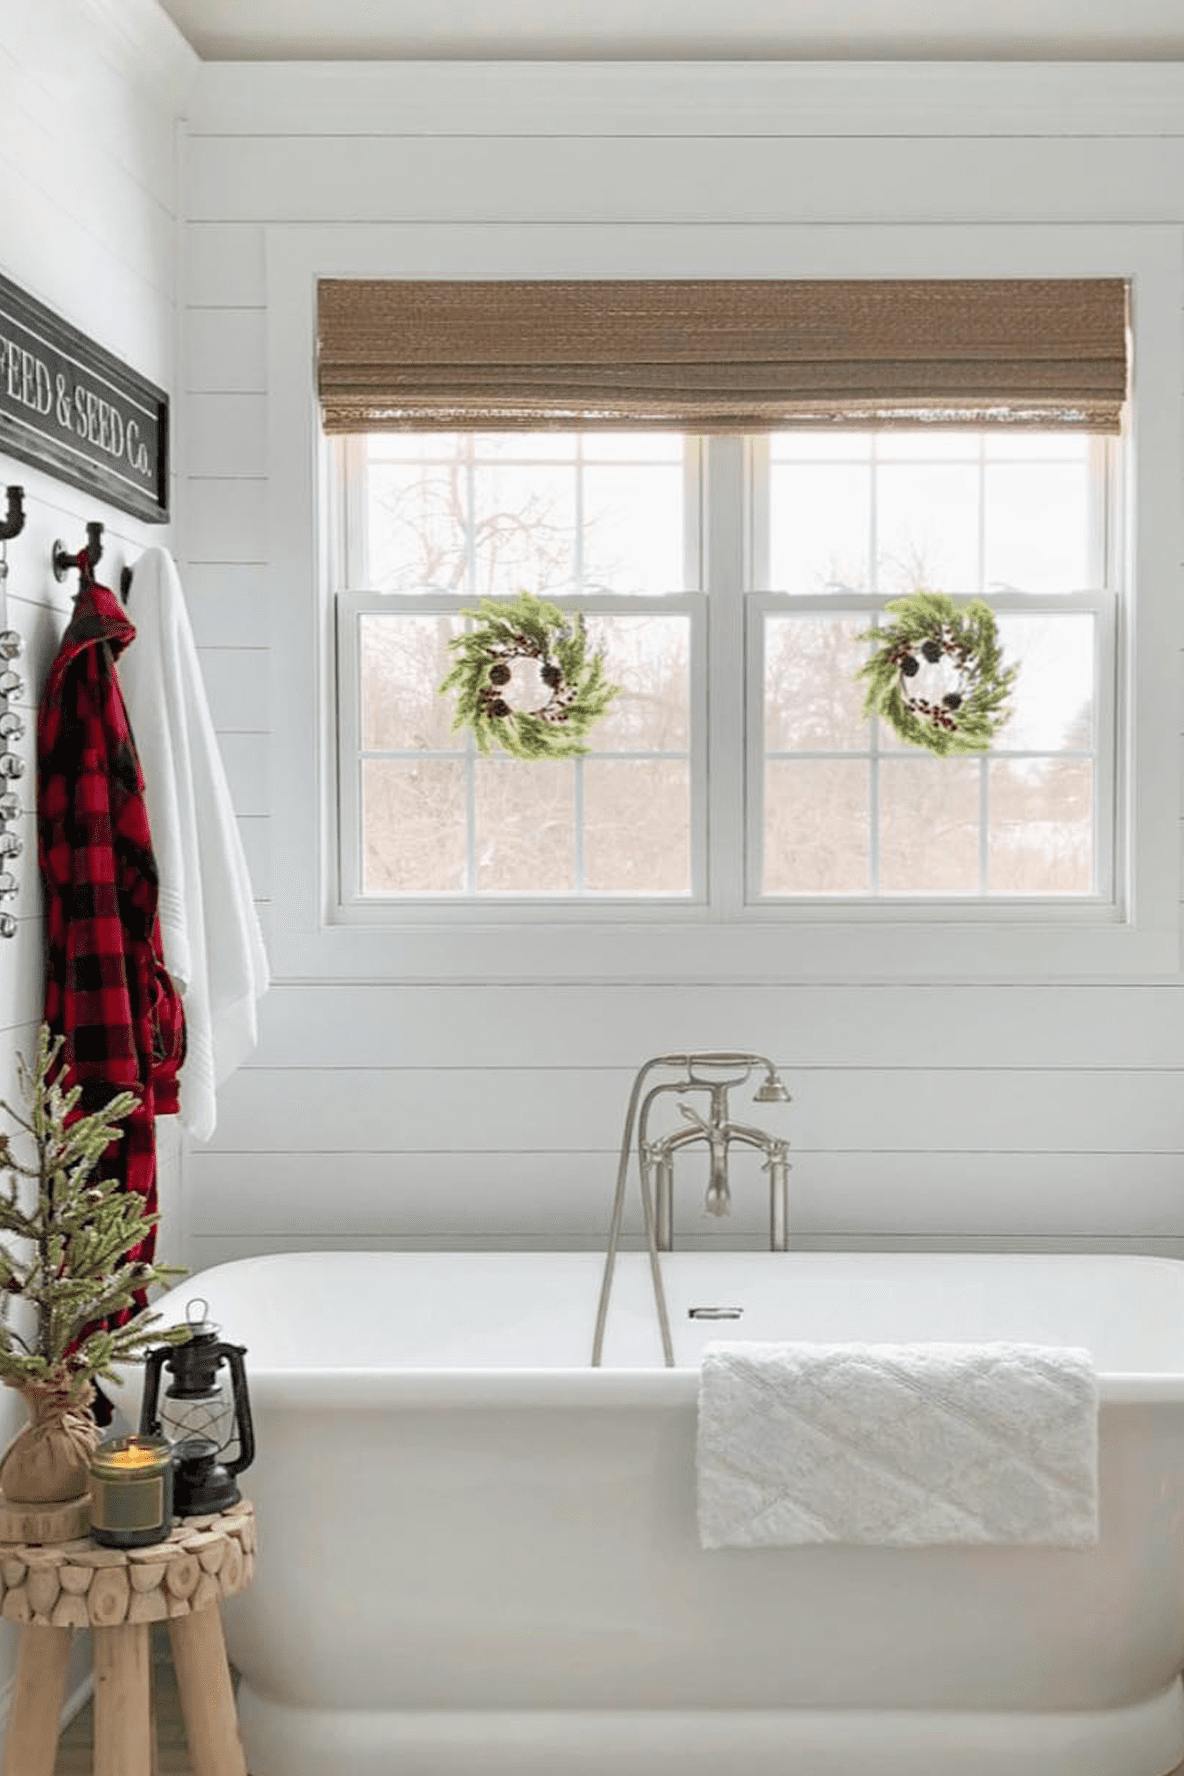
[479, 1557]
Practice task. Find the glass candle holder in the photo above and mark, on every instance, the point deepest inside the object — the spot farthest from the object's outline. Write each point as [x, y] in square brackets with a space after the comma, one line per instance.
[131, 1492]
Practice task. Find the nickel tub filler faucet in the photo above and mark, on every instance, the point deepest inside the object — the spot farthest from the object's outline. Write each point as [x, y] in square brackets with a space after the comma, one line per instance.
[714, 1076]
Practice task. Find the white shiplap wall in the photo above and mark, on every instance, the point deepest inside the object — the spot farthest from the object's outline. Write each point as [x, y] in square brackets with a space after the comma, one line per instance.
[88, 223]
[384, 1114]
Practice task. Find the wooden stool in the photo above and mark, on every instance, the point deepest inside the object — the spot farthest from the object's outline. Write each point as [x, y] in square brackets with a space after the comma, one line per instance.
[52, 1588]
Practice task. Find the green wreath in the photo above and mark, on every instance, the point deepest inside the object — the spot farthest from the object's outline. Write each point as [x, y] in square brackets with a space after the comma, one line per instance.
[937, 674]
[527, 628]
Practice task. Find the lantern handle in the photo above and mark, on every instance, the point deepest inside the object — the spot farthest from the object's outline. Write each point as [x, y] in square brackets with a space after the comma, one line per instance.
[197, 1318]
[149, 1417]
[242, 1409]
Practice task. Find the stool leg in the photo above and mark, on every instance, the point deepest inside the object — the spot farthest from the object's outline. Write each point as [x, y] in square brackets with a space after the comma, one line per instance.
[123, 1701]
[207, 1694]
[35, 1716]
[153, 1743]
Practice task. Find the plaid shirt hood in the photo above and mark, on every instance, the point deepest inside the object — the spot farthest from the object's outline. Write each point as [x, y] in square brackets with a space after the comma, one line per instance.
[107, 990]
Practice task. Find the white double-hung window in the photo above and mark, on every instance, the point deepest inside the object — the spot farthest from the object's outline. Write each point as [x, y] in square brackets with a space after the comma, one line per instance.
[609, 525]
[837, 805]
[813, 533]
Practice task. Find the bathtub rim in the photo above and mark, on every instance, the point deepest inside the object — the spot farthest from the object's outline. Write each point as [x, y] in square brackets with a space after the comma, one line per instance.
[350, 1388]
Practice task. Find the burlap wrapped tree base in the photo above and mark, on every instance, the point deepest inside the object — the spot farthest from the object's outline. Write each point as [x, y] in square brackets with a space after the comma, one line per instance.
[52, 1588]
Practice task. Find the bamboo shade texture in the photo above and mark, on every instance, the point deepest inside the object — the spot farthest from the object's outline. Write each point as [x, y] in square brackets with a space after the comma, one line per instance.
[722, 355]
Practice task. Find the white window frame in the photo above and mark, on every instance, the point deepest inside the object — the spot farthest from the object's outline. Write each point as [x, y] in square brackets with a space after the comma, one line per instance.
[1136, 933]
[738, 473]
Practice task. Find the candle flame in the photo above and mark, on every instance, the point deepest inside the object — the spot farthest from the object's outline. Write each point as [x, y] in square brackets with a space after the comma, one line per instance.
[135, 1455]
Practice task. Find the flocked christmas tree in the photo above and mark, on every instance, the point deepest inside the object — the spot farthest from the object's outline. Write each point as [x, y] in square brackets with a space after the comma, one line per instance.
[68, 1275]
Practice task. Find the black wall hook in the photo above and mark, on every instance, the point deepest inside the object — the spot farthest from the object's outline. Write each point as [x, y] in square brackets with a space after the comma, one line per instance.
[65, 559]
[14, 521]
[125, 584]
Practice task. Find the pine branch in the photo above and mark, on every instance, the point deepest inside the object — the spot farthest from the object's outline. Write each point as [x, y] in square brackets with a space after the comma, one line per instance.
[72, 1263]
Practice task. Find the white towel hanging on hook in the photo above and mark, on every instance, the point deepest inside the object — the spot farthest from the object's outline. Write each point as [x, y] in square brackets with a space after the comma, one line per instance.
[213, 946]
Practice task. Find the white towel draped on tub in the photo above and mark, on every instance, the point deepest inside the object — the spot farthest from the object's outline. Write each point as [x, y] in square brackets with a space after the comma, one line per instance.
[213, 947]
[897, 1445]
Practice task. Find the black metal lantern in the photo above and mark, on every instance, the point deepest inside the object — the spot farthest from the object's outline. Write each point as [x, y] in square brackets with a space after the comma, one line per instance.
[205, 1414]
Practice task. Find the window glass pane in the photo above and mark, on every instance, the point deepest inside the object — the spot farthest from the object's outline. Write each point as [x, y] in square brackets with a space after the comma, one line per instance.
[819, 522]
[634, 447]
[1016, 446]
[492, 513]
[649, 658]
[413, 446]
[820, 446]
[526, 446]
[1036, 526]
[1052, 700]
[403, 659]
[812, 699]
[637, 826]
[524, 529]
[525, 815]
[632, 528]
[816, 826]
[928, 445]
[416, 526]
[1041, 826]
[413, 826]
[927, 527]
[929, 826]
[958, 510]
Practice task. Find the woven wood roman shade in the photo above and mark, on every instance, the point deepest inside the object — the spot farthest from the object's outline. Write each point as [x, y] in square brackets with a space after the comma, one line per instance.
[721, 356]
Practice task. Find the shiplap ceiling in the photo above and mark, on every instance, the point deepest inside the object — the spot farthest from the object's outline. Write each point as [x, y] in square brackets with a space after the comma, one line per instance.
[500, 30]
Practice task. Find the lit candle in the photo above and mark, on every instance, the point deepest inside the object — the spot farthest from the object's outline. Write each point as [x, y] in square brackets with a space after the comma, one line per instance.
[131, 1490]
[135, 1456]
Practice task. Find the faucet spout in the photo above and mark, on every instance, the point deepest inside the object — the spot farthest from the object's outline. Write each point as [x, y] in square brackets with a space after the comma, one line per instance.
[719, 1194]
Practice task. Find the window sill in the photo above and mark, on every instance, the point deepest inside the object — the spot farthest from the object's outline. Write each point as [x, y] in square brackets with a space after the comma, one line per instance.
[1090, 943]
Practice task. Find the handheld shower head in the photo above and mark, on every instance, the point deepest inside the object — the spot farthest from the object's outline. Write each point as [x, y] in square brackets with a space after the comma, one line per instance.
[771, 1090]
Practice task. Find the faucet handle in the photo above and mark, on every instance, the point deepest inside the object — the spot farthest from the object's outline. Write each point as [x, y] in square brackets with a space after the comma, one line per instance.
[694, 1116]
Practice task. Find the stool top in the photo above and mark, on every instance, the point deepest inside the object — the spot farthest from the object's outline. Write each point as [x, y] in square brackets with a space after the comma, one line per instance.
[80, 1585]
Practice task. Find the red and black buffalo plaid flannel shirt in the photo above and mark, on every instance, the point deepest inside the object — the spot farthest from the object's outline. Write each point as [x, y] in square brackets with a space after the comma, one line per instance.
[107, 990]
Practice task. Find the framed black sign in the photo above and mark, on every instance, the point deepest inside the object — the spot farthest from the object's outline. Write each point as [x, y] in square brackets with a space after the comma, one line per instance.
[69, 407]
